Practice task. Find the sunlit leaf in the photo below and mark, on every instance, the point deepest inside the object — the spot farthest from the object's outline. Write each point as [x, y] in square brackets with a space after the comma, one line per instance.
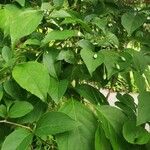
[33, 77]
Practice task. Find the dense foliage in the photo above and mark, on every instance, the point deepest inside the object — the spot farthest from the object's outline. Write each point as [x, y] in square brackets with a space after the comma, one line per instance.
[55, 56]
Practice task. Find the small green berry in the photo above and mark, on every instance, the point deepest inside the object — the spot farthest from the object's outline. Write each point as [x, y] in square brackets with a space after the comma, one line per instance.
[123, 59]
[95, 56]
[117, 66]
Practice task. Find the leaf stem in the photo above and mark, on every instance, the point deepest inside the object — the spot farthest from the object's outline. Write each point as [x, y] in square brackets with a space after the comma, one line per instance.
[16, 124]
[25, 127]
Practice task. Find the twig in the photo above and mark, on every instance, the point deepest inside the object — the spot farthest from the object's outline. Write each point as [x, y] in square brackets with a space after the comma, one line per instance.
[108, 94]
[25, 127]
[16, 124]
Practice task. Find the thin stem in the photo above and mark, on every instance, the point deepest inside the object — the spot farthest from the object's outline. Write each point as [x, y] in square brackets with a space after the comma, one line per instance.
[108, 94]
[39, 55]
[16, 124]
[25, 127]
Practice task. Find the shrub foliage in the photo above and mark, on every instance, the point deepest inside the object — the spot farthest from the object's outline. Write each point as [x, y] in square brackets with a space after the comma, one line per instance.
[54, 58]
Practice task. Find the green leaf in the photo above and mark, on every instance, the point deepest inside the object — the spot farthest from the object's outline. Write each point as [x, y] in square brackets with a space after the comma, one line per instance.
[101, 142]
[85, 44]
[143, 108]
[81, 137]
[124, 61]
[23, 21]
[92, 59]
[139, 61]
[57, 89]
[66, 55]
[46, 6]
[50, 62]
[4, 130]
[3, 18]
[147, 145]
[21, 2]
[14, 90]
[135, 134]
[19, 109]
[106, 112]
[93, 1]
[8, 103]
[90, 93]
[22, 138]
[110, 61]
[128, 111]
[60, 14]
[58, 3]
[13, 17]
[32, 42]
[33, 116]
[6, 53]
[112, 120]
[74, 20]
[127, 100]
[116, 62]
[33, 77]
[54, 123]
[9, 13]
[100, 22]
[147, 75]
[3, 111]
[132, 21]
[59, 35]
[110, 39]
[1, 92]
[140, 81]
[127, 105]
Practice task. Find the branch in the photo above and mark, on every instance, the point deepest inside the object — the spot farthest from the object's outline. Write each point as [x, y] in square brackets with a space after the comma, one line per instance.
[25, 127]
[16, 124]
